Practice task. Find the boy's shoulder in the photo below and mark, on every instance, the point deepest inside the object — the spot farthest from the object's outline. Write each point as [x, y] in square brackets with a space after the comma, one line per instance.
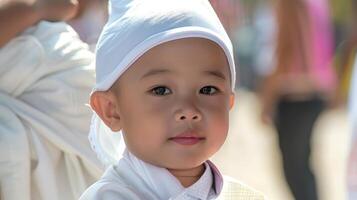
[102, 190]
[235, 190]
[109, 187]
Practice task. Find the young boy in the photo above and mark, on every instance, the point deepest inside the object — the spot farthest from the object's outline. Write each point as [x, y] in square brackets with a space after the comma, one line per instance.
[165, 82]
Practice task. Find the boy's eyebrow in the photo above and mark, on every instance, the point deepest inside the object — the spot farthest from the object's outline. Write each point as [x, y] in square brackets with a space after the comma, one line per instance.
[154, 72]
[216, 73]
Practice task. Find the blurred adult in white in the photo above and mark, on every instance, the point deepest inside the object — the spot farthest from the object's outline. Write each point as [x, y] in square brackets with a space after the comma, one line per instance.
[45, 79]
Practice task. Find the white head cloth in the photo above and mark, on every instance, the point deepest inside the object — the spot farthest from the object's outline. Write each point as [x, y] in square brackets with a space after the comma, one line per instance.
[134, 27]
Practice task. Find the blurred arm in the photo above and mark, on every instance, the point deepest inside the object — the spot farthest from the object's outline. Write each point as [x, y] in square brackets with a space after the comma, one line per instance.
[17, 15]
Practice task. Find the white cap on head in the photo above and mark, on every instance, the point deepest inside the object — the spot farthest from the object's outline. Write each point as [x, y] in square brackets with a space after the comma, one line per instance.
[133, 28]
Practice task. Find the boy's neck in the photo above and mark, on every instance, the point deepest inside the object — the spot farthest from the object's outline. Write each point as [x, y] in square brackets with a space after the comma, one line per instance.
[188, 177]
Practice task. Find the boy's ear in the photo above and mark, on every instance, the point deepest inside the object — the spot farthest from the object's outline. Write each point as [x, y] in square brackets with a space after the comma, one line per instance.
[105, 105]
[231, 100]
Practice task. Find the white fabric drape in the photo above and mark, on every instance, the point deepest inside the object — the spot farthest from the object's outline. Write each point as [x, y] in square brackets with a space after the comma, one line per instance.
[45, 81]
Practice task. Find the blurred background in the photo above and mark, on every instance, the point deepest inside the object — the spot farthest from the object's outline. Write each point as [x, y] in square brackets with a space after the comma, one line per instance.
[268, 41]
[294, 62]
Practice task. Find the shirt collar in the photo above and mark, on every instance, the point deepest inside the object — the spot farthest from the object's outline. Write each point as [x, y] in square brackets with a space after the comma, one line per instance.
[166, 186]
[209, 186]
[158, 180]
[202, 189]
[217, 177]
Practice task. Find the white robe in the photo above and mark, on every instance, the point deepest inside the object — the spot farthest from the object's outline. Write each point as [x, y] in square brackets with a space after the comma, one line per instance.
[45, 81]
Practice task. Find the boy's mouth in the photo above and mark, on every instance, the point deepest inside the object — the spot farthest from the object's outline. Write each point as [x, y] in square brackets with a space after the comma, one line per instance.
[187, 138]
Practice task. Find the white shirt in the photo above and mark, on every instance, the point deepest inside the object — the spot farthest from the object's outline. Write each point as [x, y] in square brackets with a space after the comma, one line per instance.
[134, 179]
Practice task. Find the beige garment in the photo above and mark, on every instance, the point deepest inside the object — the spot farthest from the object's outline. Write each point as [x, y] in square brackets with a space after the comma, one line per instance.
[233, 190]
[45, 80]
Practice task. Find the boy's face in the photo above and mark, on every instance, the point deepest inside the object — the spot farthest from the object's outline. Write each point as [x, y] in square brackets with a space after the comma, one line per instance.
[173, 103]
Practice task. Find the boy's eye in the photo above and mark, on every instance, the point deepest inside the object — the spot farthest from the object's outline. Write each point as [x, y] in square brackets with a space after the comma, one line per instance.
[161, 90]
[209, 90]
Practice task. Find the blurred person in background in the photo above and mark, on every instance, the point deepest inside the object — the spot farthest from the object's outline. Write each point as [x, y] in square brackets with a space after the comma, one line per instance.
[45, 79]
[297, 90]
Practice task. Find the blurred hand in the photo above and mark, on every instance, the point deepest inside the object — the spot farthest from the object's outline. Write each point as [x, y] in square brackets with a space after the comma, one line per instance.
[56, 10]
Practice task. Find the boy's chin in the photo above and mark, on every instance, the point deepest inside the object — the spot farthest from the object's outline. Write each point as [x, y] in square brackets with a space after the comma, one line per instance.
[183, 164]
[177, 162]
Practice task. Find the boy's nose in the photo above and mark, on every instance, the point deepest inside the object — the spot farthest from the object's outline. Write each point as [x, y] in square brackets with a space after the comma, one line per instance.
[188, 115]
